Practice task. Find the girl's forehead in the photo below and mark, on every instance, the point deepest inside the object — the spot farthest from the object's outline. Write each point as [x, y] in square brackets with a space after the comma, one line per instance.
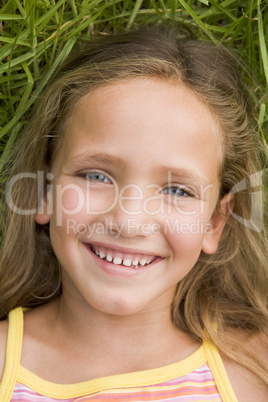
[148, 114]
[149, 98]
[144, 87]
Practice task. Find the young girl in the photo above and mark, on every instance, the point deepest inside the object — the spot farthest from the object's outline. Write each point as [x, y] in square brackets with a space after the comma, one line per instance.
[134, 261]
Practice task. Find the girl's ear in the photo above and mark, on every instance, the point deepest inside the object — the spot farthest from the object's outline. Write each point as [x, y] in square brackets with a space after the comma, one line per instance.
[217, 223]
[43, 213]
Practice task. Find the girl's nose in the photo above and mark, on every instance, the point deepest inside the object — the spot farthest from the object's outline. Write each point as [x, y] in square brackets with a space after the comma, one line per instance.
[131, 217]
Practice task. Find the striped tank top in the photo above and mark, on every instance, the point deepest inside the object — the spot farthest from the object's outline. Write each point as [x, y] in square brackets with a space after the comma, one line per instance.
[199, 377]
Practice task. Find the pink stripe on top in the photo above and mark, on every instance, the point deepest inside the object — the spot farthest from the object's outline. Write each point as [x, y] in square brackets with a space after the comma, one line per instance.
[198, 385]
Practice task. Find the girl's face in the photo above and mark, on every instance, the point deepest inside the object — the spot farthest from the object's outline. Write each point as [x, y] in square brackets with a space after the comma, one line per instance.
[136, 184]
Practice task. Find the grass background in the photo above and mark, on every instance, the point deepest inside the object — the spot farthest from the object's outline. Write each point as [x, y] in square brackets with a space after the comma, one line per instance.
[36, 35]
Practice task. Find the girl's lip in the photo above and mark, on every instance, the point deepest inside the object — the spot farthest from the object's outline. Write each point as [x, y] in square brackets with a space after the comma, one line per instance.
[119, 270]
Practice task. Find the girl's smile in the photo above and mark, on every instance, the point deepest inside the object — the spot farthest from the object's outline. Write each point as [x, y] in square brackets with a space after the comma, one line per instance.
[121, 263]
[155, 148]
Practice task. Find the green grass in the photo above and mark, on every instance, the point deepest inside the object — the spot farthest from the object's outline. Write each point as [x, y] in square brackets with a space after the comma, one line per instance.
[36, 35]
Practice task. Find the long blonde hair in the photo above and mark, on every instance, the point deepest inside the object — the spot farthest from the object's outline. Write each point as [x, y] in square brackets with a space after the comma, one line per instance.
[230, 287]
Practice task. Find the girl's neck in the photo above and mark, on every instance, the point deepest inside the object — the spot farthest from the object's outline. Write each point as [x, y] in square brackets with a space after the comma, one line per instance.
[142, 336]
[95, 344]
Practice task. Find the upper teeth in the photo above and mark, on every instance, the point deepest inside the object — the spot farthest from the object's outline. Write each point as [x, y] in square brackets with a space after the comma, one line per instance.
[135, 262]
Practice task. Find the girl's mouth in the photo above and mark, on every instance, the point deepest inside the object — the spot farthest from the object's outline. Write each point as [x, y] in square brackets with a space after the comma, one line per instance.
[117, 258]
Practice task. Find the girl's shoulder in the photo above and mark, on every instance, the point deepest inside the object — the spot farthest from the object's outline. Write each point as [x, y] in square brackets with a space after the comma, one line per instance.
[28, 324]
[246, 384]
[3, 343]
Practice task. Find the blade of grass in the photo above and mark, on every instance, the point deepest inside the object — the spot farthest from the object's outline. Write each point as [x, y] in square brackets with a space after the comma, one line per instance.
[163, 7]
[263, 49]
[155, 6]
[233, 26]
[261, 116]
[83, 25]
[73, 6]
[28, 88]
[56, 13]
[11, 17]
[225, 11]
[21, 9]
[260, 124]
[250, 39]
[9, 144]
[16, 61]
[206, 2]
[13, 40]
[136, 8]
[13, 77]
[212, 12]
[199, 22]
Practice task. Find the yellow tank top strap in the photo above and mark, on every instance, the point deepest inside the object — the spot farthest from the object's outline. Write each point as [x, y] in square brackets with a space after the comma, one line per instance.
[13, 352]
[219, 373]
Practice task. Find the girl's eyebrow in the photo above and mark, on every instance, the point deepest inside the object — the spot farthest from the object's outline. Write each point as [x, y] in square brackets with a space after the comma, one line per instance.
[86, 157]
[174, 172]
[171, 171]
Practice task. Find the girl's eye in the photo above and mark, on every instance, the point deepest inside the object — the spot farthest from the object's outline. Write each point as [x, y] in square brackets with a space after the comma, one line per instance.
[178, 191]
[98, 177]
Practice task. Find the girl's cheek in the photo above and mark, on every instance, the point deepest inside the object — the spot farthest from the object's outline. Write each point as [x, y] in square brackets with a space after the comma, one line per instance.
[73, 201]
[188, 225]
[100, 201]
